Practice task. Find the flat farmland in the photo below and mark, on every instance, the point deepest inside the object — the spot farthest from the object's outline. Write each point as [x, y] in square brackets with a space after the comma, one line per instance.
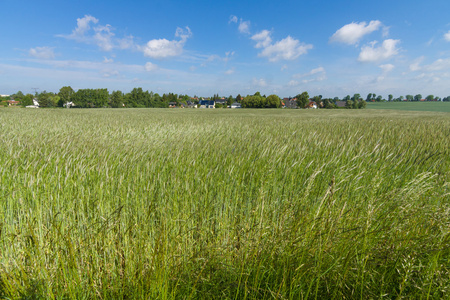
[224, 204]
[411, 106]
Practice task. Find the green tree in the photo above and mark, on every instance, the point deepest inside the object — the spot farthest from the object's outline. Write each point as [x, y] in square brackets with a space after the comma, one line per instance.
[65, 94]
[117, 98]
[27, 100]
[417, 97]
[430, 98]
[318, 101]
[409, 97]
[302, 99]
[273, 101]
[390, 97]
[239, 98]
[362, 104]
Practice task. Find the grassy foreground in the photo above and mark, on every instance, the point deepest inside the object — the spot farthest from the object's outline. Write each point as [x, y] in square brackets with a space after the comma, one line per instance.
[225, 204]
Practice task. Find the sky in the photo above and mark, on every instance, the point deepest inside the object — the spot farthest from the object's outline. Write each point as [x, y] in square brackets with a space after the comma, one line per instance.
[201, 48]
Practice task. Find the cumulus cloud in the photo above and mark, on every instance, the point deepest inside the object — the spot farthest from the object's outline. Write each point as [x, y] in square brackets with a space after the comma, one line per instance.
[262, 39]
[259, 82]
[244, 27]
[100, 35]
[352, 33]
[370, 53]
[42, 52]
[233, 19]
[285, 49]
[163, 48]
[447, 36]
[385, 70]
[103, 36]
[83, 26]
[150, 67]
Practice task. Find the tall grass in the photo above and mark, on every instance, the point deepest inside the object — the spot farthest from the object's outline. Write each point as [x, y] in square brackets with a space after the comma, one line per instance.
[229, 204]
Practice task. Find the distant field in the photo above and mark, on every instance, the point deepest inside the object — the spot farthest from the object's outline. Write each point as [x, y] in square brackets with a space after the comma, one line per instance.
[224, 204]
[411, 106]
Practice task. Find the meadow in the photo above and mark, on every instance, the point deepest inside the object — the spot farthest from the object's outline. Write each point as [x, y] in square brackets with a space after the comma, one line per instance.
[224, 204]
[411, 106]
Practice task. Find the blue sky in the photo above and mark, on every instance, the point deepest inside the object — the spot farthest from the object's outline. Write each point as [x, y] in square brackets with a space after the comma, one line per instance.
[329, 48]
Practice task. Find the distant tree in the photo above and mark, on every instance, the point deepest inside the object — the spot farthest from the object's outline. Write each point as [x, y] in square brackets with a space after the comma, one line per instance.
[390, 97]
[409, 97]
[27, 100]
[356, 97]
[238, 98]
[18, 96]
[65, 94]
[430, 98]
[302, 99]
[230, 100]
[346, 98]
[335, 99]
[117, 98]
[273, 101]
[318, 100]
[417, 97]
[349, 104]
[328, 103]
[362, 104]
[369, 97]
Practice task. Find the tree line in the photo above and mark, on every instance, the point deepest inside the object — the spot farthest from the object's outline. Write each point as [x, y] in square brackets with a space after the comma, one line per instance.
[90, 98]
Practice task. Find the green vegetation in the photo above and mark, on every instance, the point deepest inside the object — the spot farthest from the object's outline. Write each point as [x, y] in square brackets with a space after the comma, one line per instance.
[411, 106]
[224, 204]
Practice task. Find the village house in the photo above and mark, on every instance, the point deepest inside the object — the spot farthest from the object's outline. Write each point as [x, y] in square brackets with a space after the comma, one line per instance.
[207, 104]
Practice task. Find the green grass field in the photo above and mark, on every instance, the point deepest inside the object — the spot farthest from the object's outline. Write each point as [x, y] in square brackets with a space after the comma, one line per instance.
[224, 204]
[411, 106]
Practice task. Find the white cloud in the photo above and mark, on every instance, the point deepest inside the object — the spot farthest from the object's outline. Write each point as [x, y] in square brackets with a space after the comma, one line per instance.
[100, 35]
[230, 71]
[228, 56]
[259, 82]
[447, 36]
[150, 67]
[244, 26]
[352, 33]
[233, 19]
[293, 83]
[438, 65]
[110, 73]
[315, 75]
[286, 49]
[163, 48]
[103, 36]
[385, 69]
[370, 53]
[262, 39]
[284, 67]
[415, 66]
[42, 52]
[83, 26]
[107, 60]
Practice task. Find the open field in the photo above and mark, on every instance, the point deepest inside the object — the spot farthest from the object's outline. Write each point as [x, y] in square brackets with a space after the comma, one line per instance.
[411, 106]
[225, 204]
